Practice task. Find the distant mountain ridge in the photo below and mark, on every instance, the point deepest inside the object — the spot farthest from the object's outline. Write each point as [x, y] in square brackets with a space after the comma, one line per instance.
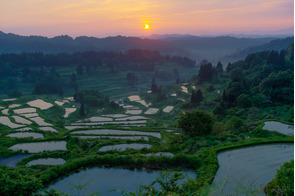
[276, 45]
[198, 48]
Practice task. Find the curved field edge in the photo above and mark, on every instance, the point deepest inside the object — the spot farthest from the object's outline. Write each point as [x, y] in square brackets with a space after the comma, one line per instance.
[283, 183]
[125, 161]
[204, 162]
[207, 158]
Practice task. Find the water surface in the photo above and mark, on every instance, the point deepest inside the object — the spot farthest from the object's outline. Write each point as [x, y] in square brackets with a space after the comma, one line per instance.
[103, 180]
[249, 168]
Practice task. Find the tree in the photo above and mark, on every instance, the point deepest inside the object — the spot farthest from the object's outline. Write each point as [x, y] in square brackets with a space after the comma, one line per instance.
[236, 74]
[279, 86]
[154, 87]
[206, 72]
[73, 77]
[131, 79]
[197, 96]
[80, 70]
[82, 109]
[15, 93]
[196, 123]
[176, 73]
[218, 110]
[244, 100]
[219, 67]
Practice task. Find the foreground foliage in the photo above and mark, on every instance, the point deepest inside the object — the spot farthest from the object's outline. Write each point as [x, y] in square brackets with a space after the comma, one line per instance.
[18, 182]
[283, 184]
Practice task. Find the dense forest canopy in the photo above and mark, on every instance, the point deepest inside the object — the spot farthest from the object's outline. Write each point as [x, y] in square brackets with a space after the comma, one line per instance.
[132, 59]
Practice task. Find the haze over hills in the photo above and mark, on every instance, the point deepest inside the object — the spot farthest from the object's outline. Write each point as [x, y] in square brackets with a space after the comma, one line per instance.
[195, 47]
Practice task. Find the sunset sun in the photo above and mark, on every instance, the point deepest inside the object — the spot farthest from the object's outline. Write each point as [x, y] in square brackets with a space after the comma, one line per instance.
[146, 26]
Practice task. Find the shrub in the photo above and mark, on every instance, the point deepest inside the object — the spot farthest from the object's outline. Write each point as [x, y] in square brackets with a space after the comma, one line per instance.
[283, 184]
[196, 123]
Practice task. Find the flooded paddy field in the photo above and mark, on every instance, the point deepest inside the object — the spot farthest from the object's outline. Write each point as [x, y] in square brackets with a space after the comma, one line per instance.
[249, 168]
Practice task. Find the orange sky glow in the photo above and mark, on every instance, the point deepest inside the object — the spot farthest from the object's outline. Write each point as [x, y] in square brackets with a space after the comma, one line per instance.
[101, 18]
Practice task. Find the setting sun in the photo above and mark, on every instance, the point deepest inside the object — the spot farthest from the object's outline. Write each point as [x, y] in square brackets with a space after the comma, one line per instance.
[146, 26]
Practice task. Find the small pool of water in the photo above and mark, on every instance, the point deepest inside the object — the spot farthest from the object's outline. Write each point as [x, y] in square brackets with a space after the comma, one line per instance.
[116, 132]
[279, 127]
[122, 147]
[102, 180]
[249, 168]
[36, 147]
[46, 161]
[25, 134]
[12, 161]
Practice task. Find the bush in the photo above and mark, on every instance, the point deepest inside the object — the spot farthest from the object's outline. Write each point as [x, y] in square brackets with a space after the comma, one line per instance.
[18, 182]
[196, 123]
[283, 184]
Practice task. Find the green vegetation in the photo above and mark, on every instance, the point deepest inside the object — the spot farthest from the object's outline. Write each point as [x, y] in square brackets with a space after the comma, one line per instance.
[283, 184]
[222, 109]
[18, 182]
[196, 123]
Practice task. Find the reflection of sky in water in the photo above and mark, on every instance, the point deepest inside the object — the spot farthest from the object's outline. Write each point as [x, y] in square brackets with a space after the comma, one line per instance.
[103, 180]
[250, 168]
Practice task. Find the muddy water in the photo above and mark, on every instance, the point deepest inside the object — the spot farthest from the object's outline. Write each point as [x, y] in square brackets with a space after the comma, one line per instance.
[249, 168]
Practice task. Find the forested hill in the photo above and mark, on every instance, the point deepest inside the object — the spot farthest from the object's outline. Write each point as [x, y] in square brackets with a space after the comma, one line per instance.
[277, 45]
[198, 48]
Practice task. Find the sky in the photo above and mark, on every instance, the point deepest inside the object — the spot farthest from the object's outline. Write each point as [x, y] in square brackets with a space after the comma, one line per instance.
[101, 18]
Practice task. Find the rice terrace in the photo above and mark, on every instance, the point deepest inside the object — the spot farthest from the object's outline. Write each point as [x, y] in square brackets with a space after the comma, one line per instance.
[147, 98]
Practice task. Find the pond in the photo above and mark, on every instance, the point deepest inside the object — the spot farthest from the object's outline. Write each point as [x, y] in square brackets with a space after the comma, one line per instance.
[48, 129]
[69, 111]
[21, 120]
[5, 111]
[279, 127]
[102, 180]
[36, 147]
[6, 121]
[152, 111]
[117, 132]
[39, 103]
[96, 119]
[136, 98]
[112, 123]
[113, 137]
[133, 111]
[249, 168]
[76, 127]
[168, 109]
[14, 105]
[30, 115]
[131, 118]
[184, 89]
[122, 147]
[12, 161]
[116, 115]
[26, 134]
[40, 121]
[167, 154]
[25, 110]
[47, 161]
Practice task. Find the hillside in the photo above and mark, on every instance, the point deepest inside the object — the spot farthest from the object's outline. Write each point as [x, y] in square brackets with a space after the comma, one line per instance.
[276, 45]
[197, 48]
